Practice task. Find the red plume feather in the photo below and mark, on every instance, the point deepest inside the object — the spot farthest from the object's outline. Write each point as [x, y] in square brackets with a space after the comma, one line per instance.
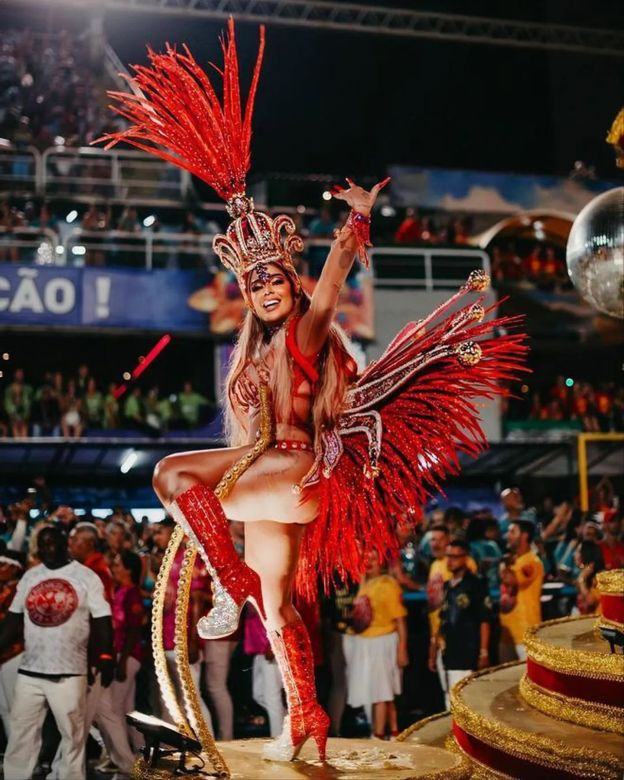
[176, 115]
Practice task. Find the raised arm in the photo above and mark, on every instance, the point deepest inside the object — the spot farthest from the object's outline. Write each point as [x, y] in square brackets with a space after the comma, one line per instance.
[315, 323]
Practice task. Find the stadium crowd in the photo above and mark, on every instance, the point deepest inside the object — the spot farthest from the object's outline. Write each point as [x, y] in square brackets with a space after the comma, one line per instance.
[496, 562]
[593, 408]
[51, 91]
[542, 266]
[75, 406]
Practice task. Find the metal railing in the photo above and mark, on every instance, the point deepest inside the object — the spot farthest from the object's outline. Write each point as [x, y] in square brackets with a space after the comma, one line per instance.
[143, 249]
[29, 245]
[19, 170]
[122, 174]
[417, 267]
[425, 267]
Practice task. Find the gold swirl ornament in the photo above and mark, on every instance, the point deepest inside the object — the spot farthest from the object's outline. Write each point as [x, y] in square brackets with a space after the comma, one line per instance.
[468, 353]
[477, 281]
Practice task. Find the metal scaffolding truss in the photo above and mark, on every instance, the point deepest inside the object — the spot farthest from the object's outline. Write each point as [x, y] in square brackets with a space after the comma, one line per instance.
[380, 20]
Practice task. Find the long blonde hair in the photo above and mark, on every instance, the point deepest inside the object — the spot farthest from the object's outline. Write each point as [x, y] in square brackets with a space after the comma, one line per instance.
[332, 365]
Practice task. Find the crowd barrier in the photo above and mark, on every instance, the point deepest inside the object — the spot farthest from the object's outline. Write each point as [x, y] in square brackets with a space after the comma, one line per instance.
[423, 267]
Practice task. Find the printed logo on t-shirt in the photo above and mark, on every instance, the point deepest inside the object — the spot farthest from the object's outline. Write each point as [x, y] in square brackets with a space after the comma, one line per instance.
[435, 591]
[51, 602]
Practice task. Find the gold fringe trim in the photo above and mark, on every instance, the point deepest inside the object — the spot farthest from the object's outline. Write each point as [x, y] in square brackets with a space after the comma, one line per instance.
[536, 748]
[603, 621]
[582, 663]
[592, 715]
[478, 771]
[264, 441]
[611, 582]
[419, 724]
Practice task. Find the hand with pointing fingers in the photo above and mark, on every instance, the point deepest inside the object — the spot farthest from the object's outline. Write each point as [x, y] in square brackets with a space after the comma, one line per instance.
[357, 197]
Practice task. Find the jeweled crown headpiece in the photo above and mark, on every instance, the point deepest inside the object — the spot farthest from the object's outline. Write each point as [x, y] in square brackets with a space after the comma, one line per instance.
[175, 114]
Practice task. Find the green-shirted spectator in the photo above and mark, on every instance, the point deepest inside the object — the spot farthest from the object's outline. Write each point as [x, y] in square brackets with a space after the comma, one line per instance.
[111, 409]
[133, 408]
[25, 391]
[165, 411]
[17, 407]
[158, 411]
[94, 405]
[190, 403]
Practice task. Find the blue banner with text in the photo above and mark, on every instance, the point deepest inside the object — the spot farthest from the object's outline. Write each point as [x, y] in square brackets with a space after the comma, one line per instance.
[101, 298]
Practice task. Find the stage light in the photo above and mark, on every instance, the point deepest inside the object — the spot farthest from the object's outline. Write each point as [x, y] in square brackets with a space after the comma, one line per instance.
[327, 195]
[6, 356]
[59, 141]
[155, 732]
[127, 376]
[301, 209]
[130, 460]
[79, 250]
[388, 211]
[149, 221]
[525, 388]
[569, 382]
[72, 216]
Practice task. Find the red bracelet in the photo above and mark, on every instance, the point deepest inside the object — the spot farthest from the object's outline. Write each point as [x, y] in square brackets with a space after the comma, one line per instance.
[106, 657]
[360, 225]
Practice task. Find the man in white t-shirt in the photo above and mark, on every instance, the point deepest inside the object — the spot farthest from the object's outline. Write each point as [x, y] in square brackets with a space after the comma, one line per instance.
[55, 601]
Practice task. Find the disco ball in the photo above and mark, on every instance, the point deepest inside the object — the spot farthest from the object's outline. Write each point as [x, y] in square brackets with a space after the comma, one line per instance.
[595, 253]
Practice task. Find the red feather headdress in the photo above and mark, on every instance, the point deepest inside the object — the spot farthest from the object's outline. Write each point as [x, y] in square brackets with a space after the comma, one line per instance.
[176, 115]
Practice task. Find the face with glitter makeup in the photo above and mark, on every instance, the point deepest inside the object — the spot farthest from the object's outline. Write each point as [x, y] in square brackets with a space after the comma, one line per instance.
[271, 293]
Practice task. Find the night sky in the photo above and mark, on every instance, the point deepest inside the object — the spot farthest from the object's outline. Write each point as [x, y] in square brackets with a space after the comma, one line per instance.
[334, 102]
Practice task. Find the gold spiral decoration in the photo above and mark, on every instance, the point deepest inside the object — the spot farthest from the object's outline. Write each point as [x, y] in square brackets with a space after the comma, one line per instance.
[189, 690]
[190, 694]
[167, 689]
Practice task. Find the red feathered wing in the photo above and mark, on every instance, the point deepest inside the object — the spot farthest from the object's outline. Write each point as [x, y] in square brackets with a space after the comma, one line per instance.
[409, 416]
[176, 114]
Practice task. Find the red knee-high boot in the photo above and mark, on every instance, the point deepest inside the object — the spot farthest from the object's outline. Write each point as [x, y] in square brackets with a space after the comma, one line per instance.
[306, 718]
[200, 514]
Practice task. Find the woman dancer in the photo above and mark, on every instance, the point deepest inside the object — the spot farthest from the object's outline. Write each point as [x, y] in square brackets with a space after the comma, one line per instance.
[346, 452]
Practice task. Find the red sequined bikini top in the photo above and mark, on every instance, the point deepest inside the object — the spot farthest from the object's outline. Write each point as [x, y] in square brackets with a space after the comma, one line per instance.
[305, 377]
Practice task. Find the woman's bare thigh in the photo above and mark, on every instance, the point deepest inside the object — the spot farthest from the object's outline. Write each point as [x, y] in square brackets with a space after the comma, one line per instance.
[268, 490]
[265, 491]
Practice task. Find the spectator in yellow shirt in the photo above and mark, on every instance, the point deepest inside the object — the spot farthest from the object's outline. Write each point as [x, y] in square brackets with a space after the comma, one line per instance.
[522, 575]
[377, 652]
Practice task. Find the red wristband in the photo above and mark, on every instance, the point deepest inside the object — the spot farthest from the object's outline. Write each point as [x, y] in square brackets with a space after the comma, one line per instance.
[360, 225]
[106, 657]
